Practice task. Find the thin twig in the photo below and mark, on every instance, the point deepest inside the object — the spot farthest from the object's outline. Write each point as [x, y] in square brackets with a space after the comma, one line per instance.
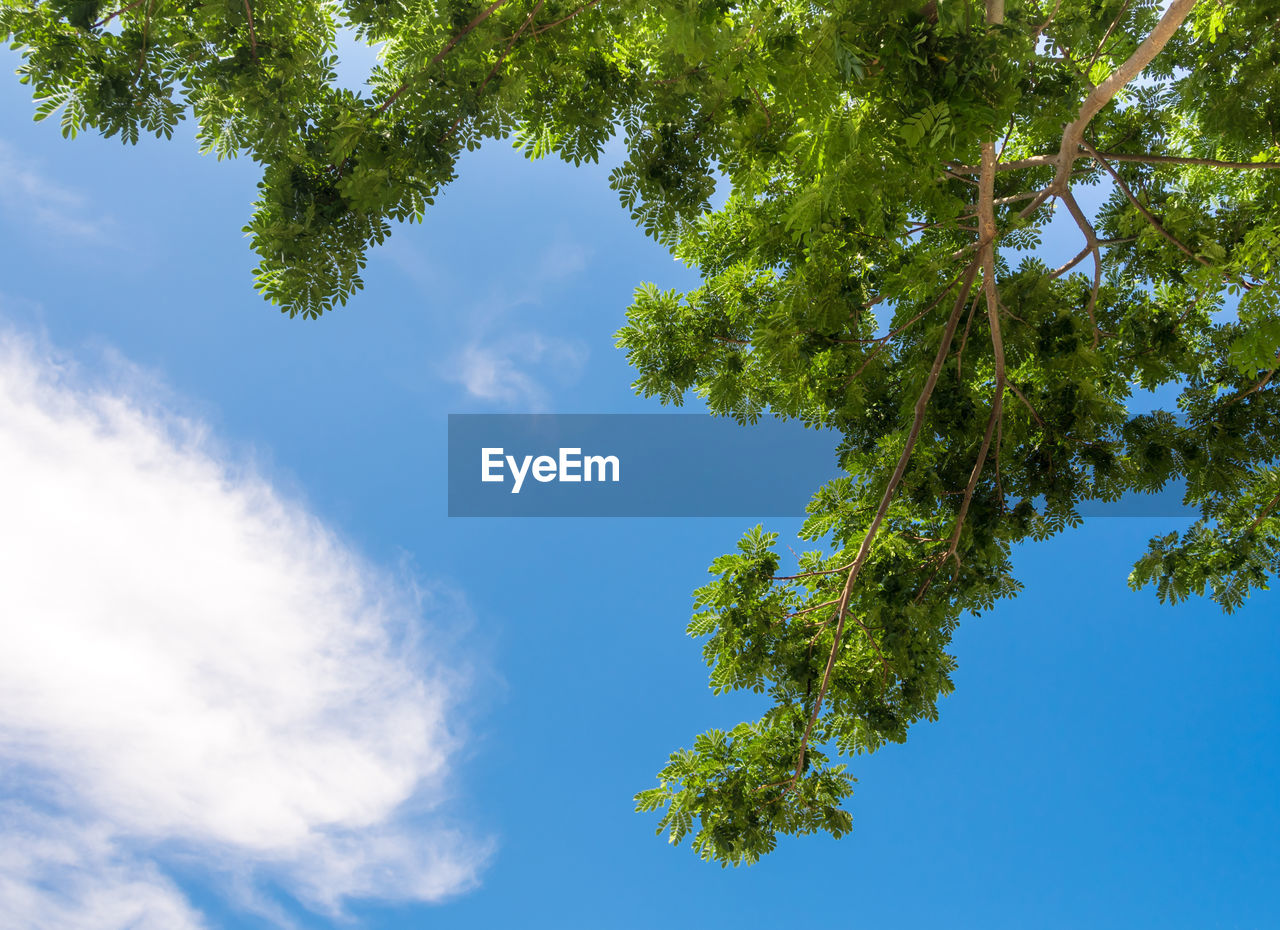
[1146, 158]
[1146, 214]
[826, 571]
[124, 9]
[1115, 22]
[1026, 403]
[1091, 243]
[1039, 30]
[253, 38]
[1263, 382]
[810, 609]
[768, 117]
[1188, 160]
[1266, 511]
[922, 403]
[564, 19]
[964, 337]
[1083, 253]
[448, 47]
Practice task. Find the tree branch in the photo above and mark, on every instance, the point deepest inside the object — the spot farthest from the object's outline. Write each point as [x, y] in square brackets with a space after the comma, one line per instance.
[564, 19]
[1188, 160]
[448, 47]
[124, 9]
[1026, 403]
[987, 233]
[1261, 383]
[1266, 512]
[1040, 161]
[1080, 256]
[1091, 243]
[1100, 96]
[864, 550]
[1115, 22]
[1147, 214]
[253, 38]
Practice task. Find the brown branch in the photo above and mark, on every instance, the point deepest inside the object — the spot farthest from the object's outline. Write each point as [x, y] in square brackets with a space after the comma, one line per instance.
[1266, 511]
[809, 609]
[1026, 403]
[884, 663]
[923, 227]
[894, 332]
[768, 117]
[953, 544]
[1263, 382]
[957, 176]
[1063, 269]
[448, 47]
[997, 411]
[537, 8]
[1100, 96]
[1091, 243]
[1015, 198]
[1039, 30]
[864, 550]
[1146, 214]
[964, 337]
[1034, 161]
[1188, 160]
[987, 257]
[1115, 22]
[253, 38]
[987, 231]
[1154, 222]
[987, 224]
[999, 445]
[1080, 256]
[1146, 158]
[124, 9]
[826, 571]
[494, 70]
[564, 19]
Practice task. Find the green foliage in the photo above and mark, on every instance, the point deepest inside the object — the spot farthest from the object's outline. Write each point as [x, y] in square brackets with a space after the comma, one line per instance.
[844, 283]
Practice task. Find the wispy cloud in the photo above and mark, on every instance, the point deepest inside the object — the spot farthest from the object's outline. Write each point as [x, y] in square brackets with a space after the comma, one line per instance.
[192, 666]
[29, 197]
[502, 370]
[561, 259]
[506, 362]
[58, 873]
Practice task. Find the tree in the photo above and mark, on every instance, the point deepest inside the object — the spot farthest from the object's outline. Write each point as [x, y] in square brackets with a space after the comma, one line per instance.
[893, 167]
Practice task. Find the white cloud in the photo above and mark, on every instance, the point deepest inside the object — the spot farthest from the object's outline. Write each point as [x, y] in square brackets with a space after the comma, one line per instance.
[54, 873]
[502, 371]
[30, 197]
[560, 260]
[190, 662]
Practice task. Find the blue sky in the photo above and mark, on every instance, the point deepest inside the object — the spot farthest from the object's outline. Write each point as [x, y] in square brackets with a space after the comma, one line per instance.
[1105, 761]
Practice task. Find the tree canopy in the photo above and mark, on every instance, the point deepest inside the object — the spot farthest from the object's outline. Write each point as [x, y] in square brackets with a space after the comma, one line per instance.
[892, 167]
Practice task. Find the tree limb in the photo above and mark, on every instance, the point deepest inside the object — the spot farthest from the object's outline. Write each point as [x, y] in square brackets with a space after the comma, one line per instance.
[922, 403]
[124, 9]
[1092, 244]
[1040, 161]
[564, 19]
[253, 38]
[1100, 96]
[448, 47]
